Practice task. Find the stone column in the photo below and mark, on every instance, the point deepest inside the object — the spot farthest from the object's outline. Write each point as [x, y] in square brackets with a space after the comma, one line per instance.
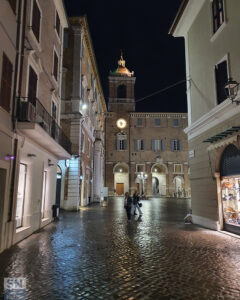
[97, 177]
[148, 185]
[170, 179]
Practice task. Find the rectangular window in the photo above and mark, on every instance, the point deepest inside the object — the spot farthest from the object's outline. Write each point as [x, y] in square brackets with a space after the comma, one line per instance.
[13, 4]
[178, 168]
[221, 76]
[43, 193]
[139, 145]
[122, 142]
[140, 168]
[176, 145]
[54, 110]
[156, 145]
[55, 66]
[139, 121]
[57, 24]
[32, 86]
[21, 194]
[36, 20]
[176, 122]
[218, 14]
[6, 83]
[157, 122]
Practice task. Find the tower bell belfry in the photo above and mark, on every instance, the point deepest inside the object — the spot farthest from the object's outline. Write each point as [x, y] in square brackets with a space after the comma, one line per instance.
[121, 88]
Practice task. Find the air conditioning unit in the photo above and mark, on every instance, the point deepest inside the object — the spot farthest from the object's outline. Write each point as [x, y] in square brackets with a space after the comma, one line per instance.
[27, 112]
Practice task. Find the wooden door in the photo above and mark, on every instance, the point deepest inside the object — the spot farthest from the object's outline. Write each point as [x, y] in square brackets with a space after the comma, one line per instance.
[138, 187]
[120, 188]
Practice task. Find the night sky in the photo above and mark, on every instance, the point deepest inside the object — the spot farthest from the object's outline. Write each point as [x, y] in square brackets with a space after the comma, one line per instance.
[140, 28]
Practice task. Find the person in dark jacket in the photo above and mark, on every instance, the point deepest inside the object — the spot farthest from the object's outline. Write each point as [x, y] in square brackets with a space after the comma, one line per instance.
[135, 205]
[128, 205]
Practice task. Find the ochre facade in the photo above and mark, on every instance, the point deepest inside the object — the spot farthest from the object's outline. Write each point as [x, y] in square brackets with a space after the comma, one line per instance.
[144, 151]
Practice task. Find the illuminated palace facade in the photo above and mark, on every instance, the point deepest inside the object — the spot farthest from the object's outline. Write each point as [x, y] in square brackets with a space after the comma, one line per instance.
[144, 151]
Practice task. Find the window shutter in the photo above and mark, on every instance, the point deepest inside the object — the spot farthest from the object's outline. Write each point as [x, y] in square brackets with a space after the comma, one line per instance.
[180, 145]
[163, 145]
[32, 86]
[125, 144]
[6, 83]
[152, 145]
[57, 24]
[221, 79]
[55, 66]
[144, 145]
[135, 145]
[172, 145]
[157, 122]
[118, 144]
[36, 16]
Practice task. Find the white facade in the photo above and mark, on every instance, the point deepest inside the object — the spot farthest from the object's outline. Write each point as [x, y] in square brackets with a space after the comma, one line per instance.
[32, 141]
[206, 47]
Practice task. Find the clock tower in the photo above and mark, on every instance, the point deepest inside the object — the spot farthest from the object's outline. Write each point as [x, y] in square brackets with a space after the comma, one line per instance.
[121, 89]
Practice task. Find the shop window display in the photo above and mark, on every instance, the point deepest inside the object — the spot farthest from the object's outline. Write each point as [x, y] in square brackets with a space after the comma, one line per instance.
[231, 200]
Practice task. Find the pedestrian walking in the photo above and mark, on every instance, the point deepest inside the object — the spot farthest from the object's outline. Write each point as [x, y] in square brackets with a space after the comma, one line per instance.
[128, 205]
[136, 205]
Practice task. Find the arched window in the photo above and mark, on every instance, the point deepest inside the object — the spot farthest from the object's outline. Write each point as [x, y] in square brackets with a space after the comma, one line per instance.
[121, 91]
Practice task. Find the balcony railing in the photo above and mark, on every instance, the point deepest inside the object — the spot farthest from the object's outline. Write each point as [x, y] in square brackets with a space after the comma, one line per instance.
[31, 110]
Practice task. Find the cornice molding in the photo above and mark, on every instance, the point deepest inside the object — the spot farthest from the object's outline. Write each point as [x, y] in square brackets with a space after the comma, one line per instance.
[217, 115]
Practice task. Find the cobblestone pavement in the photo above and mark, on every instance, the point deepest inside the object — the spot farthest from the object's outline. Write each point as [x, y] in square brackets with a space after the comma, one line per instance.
[97, 254]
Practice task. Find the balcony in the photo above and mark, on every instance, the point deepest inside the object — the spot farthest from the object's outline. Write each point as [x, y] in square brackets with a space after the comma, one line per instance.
[37, 124]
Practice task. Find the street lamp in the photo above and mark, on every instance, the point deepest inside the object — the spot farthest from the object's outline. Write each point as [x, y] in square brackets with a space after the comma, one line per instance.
[142, 176]
[231, 90]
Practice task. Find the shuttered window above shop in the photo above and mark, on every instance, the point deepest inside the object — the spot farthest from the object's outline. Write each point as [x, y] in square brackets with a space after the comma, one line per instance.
[57, 24]
[32, 86]
[55, 66]
[217, 14]
[36, 20]
[6, 83]
[221, 76]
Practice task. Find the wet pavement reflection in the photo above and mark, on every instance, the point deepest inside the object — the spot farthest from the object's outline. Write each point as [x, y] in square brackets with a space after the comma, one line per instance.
[97, 254]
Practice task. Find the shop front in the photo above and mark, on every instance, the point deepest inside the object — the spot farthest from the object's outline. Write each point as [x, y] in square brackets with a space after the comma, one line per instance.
[230, 188]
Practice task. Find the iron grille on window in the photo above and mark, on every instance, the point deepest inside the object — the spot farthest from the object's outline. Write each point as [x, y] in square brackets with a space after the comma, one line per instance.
[36, 17]
[218, 14]
[6, 83]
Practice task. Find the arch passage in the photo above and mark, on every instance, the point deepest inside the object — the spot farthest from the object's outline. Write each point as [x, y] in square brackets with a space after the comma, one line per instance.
[230, 161]
[121, 91]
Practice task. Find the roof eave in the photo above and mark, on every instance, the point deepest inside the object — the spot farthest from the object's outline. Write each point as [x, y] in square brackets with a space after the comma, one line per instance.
[178, 16]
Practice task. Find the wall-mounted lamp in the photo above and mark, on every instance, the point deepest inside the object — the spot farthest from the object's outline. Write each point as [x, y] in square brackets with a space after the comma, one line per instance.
[9, 157]
[67, 163]
[120, 170]
[81, 177]
[31, 155]
[84, 106]
[49, 163]
[231, 90]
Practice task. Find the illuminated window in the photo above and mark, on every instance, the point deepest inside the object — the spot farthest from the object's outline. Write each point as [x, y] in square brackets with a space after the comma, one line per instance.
[21, 195]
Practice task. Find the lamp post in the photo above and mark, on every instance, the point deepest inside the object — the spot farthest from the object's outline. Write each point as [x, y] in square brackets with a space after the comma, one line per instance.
[231, 90]
[142, 176]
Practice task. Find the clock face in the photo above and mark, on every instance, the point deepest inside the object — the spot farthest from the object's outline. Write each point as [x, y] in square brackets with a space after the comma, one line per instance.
[121, 123]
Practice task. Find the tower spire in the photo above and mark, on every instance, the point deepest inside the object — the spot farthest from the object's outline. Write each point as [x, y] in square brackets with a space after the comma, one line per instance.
[121, 62]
